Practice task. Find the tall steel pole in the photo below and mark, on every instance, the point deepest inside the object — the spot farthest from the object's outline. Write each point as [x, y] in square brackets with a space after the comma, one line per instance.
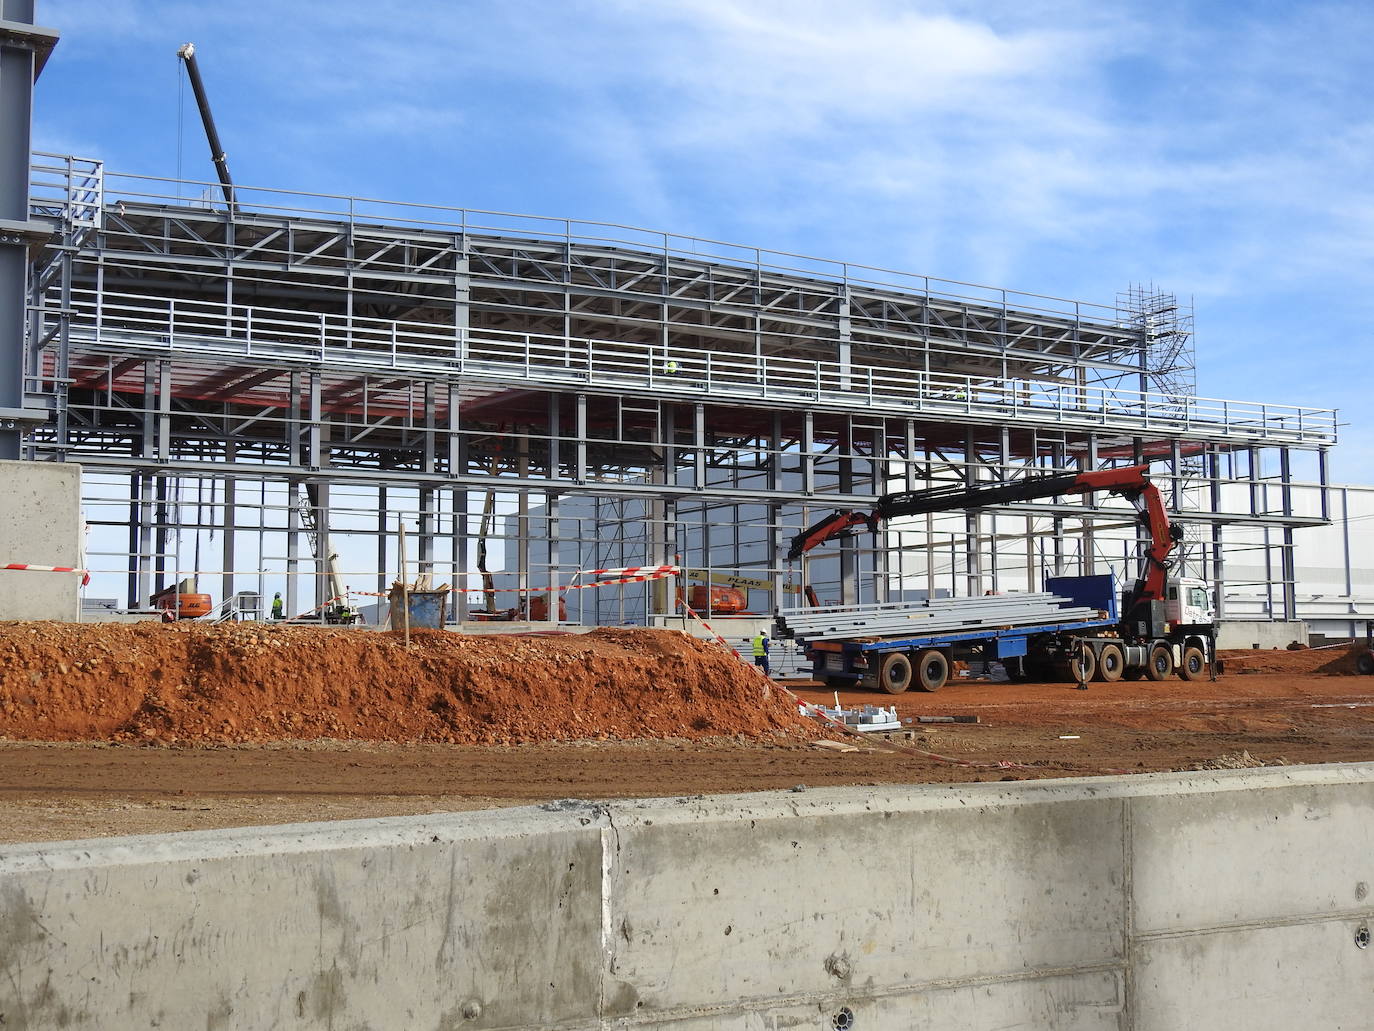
[24, 49]
[187, 53]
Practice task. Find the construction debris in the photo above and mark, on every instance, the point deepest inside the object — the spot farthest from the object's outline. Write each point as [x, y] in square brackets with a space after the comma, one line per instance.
[866, 719]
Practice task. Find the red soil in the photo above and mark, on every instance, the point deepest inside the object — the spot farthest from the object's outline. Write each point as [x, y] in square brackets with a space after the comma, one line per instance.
[254, 682]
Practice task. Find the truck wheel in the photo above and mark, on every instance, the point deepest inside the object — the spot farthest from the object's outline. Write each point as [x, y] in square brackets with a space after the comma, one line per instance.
[1111, 663]
[894, 673]
[1364, 665]
[1161, 665]
[932, 670]
[1194, 665]
[1084, 662]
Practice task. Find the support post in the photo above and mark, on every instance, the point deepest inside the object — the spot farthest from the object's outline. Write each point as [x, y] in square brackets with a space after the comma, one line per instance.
[23, 51]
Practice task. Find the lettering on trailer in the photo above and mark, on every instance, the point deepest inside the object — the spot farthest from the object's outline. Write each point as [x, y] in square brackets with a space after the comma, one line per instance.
[739, 581]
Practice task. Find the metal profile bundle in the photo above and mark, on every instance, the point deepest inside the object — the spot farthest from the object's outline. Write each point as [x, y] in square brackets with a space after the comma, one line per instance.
[951, 615]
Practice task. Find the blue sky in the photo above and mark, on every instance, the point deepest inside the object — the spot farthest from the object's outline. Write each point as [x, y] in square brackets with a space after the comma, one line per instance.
[1224, 151]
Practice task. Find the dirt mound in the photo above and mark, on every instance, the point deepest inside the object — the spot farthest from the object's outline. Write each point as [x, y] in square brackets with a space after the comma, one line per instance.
[255, 682]
[1332, 661]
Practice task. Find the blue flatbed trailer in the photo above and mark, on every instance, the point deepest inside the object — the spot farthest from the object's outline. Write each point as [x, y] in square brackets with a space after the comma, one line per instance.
[1071, 649]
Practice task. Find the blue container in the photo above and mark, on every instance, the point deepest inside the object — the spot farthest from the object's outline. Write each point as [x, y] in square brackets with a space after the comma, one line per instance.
[426, 609]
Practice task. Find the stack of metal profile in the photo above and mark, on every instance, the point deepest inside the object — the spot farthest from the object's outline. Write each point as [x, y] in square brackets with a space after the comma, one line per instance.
[927, 618]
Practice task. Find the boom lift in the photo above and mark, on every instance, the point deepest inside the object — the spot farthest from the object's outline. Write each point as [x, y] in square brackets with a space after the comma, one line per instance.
[1164, 627]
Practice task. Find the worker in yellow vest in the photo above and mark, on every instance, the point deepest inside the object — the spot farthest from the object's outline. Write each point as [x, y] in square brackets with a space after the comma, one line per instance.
[761, 652]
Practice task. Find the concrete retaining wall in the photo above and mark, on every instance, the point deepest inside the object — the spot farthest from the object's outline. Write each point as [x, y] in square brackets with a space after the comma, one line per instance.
[40, 524]
[1154, 903]
[1266, 634]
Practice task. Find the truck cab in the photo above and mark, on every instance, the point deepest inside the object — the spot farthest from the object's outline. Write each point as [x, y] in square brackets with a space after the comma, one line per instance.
[1188, 602]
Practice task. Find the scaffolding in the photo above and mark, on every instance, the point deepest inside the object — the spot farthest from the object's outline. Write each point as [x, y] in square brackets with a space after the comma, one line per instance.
[623, 392]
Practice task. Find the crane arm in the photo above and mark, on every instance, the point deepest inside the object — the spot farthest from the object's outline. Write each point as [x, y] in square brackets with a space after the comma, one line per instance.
[187, 53]
[1131, 482]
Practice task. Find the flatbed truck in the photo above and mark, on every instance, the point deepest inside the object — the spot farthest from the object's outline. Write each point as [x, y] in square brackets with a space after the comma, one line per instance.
[1078, 650]
[1164, 625]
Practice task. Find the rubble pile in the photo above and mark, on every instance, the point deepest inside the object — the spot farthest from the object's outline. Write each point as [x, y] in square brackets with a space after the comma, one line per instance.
[248, 682]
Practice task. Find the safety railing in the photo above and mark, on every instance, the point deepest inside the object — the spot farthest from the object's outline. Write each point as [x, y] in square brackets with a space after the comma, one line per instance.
[175, 327]
[364, 216]
[68, 188]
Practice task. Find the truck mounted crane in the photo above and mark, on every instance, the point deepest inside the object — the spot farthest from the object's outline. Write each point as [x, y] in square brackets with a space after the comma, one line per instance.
[1165, 624]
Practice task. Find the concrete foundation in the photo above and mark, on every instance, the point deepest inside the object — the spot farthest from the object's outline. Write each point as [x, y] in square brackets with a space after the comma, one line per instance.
[1159, 903]
[1263, 634]
[40, 524]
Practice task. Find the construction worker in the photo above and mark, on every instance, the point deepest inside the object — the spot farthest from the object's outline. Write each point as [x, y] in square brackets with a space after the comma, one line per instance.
[278, 608]
[670, 368]
[761, 652]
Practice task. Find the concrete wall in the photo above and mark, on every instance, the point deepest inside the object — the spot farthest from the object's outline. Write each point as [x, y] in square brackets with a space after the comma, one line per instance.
[40, 524]
[1151, 903]
[1242, 633]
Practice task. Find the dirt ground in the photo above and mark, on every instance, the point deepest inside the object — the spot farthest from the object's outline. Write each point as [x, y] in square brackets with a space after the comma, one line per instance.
[1294, 707]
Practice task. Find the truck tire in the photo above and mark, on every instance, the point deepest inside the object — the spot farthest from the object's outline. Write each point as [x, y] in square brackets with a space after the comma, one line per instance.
[1161, 664]
[1084, 662]
[1111, 663]
[1364, 665]
[894, 672]
[1194, 664]
[932, 670]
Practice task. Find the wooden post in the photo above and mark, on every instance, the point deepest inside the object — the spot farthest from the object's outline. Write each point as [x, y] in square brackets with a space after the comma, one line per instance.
[405, 581]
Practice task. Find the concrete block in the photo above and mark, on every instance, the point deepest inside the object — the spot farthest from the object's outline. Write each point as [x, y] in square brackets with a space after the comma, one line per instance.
[1254, 848]
[1073, 1002]
[1304, 975]
[1268, 634]
[40, 524]
[489, 921]
[745, 899]
[1170, 901]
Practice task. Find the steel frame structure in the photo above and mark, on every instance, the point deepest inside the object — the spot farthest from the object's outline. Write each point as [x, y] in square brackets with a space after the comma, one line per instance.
[314, 366]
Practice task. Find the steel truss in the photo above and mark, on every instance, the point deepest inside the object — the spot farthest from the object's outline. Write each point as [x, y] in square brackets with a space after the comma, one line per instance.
[312, 365]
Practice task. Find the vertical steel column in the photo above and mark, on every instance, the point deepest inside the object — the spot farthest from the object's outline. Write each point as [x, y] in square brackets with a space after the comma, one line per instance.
[461, 557]
[878, 475]
[580, 443]
[228, 525]
[427, 494]
[1288, 559]
[135, 501]
[457, 467]
[776, 540]
[293, 546]
[849, 552]
[522, 520]
[145, 539]
[555, 553]
[973, 524]
[383, 534]
[1218, 571]
[1060, 463]
[1087, 559]
[553, 473]
[23, 51]
[699, 447]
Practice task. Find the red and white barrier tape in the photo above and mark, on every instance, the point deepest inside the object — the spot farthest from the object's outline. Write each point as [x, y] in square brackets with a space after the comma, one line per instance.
[654, 571]
[534, 590]
[29, 567]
